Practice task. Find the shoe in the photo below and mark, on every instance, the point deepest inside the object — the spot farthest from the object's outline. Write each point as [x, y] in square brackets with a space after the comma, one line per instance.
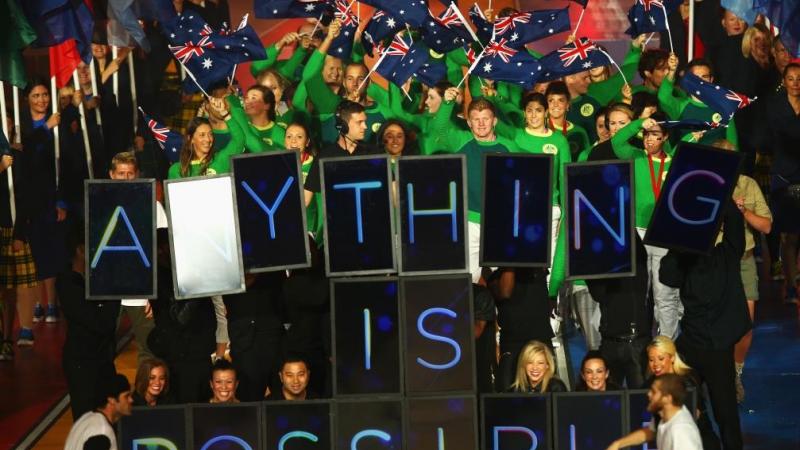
[791, 295]
[7, 351]
[52, 314]
[25, 337]
[739, 388]
[777, 271]
[38, 313]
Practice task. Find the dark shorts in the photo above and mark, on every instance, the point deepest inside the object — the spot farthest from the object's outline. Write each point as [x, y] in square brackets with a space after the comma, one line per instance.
[47, 245]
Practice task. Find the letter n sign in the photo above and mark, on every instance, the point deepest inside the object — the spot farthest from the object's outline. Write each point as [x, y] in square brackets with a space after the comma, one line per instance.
[120, 239]
[599, 219]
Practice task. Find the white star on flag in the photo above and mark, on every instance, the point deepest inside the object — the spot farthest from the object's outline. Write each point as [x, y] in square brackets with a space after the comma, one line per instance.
[309, 7]
[587, 64]
[514, 37]
[207, 63]
[390, 22]
[487, 67]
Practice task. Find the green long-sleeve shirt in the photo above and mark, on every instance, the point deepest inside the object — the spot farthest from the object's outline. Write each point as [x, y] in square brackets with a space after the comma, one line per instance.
[684, 108]
[220, 163]
[643, 180]
[463, 142]
[287, 68]
[256, 139]
[606, 91]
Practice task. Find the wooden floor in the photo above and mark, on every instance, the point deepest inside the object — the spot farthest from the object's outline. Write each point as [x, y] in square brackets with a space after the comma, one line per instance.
[56, 436]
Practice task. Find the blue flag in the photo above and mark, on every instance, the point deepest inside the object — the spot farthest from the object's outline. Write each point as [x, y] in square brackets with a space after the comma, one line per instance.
[688, 124]
[649, 16]
[287, 9]
[723, 101]
[742, 8]
[445, 32]
[56, 21]
[380, 27]
[400, 61]
[525, 27]
[785, 15]
[499, 62]
[576, 57]
[210, 56]
[483, 28]
[342, 46]
[412, 12]
[123, 24]
[169, 141]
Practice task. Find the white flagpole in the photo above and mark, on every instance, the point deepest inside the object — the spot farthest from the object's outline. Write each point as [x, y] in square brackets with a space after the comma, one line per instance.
[54, 108]
[115, 77]
[316, 25]
[647, 41]
[690, 55]
[466, 24]
[578, 24]
[191, 75]
[94, 93]
[373, 69]
[669, 32]
[17, 133]
[12, 203]
[471, 68]
[625, 80]
[132, 75]
[84, 130]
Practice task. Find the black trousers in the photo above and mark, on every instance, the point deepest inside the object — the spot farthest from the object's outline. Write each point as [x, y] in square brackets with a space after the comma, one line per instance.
[626, 360]
[716, 369]
[84, 381]
[257, 366]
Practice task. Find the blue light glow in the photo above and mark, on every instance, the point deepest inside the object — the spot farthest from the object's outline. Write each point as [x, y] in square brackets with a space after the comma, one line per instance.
[695, 173]
[367, 340]
[277, 203]
[110, 227]
[434, 337]
[296, 435]
[513, 429]
[380, 434]
[153, 443]
[227, 438]
[580, 198]
[449, 211]
[357, 187]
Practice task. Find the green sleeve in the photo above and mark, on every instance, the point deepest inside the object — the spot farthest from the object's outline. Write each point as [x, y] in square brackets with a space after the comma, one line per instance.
[456, 60]
[396, 104]
[444, 133]
[670, 104]
[174, 171]
[584, 156]
[314, 65]
[263, 64]
[252, 141]
[357, 53]
[299, 103]
[558, 269]
[323, 98]
[607, 90]
[474, 83]
[731, 134]
[563, 157]
[507, 131]
[289, 67]
[234, 147]
[379, 95]
[584, 138]
[619, 142]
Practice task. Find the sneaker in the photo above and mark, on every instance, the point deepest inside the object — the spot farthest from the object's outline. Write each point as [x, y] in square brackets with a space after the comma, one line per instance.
[25, 337]
[791, 295]
[7, 351]
[739, 388]
[52, 314]
[777, 271]
[38, 313]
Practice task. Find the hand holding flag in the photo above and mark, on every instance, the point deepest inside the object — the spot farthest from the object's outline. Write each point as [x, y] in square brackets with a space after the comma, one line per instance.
[723, 101]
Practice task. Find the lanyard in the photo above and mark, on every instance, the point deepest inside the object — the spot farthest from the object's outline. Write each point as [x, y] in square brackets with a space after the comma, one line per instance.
[656, 182]
[563, 127]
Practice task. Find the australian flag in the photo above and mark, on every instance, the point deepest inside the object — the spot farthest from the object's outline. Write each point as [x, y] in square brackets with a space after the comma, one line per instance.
[524, 27]
[576, 57]
[724, 101]
[287, 9]
[483, 28]
[412, 12]
[56, 21]
[400, 61]
[342, 46]
[785, 15]
[649, 16]
[380, 27]
[210, 56]
[688, 124]
[500, 62]
[169, 141]
[445, 32]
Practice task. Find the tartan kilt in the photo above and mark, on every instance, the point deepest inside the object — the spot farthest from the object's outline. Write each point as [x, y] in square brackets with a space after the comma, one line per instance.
[17, 269]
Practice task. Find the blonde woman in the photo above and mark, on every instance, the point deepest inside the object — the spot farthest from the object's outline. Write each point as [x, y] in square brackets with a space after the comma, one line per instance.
[663, 357]
[536, 370]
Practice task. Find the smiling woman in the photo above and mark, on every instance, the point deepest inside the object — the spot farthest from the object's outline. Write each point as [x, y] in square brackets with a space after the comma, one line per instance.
[536, 370]
[223, 382]
[151, 387]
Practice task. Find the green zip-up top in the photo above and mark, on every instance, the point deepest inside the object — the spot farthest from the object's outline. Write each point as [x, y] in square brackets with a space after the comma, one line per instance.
[463, 142]
[683, 108]
[256, 140]
[221, 162]
[643, 184]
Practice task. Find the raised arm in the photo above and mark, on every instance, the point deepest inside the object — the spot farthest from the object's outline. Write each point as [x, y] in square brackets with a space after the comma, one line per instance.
[671, 105]
[619, 142]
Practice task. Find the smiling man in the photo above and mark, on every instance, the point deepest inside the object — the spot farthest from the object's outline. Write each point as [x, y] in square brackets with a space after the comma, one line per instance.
[294, 375]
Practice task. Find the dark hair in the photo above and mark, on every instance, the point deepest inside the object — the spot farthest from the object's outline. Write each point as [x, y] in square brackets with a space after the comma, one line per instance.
[557, 88]
[267, 97]
[187, 152]
[652, 59]
[642, 100]
[659, 116]
[111, 387]
[700, 62]
[143, 375]
[480, 104]
[603, 112]
[673, 385]
[32, 83]
[441, 87]
[791, 65]
[532, 97]
[293, 358]
[507, 11]
[311, 148]
[347, 108]
[221, 365]
[410, 147]
[591, 354]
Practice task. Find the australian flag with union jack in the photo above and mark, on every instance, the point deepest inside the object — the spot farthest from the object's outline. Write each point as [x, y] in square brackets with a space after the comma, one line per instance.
[524, 27]
[287, 9]
[499, 62]
[401, 60]
[650, 16]
[723, 101]
[583, 54]
[447, 31]
[169, 141]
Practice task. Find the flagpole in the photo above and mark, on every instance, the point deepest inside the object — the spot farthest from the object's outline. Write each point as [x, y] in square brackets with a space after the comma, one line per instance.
[647, 41]
[56, 141]
[94, 93]
[132, 74]
[619, 69]
[191, 75]
[466, 24]
[578, 24]
[374, 68]
[669, 32]
[691, 31]
[115, 77]
[316, 25]
[12, 203]
[17, 133]
[84, 131]
[471, 68]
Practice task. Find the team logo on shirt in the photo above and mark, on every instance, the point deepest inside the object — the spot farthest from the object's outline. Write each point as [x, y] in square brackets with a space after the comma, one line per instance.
[210, 171]
[267, 140]
[376, 126]
[716, 118]
[587, 109]
[550, 149]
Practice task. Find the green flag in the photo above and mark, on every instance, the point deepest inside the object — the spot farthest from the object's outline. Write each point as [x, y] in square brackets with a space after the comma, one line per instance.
[15, 34]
